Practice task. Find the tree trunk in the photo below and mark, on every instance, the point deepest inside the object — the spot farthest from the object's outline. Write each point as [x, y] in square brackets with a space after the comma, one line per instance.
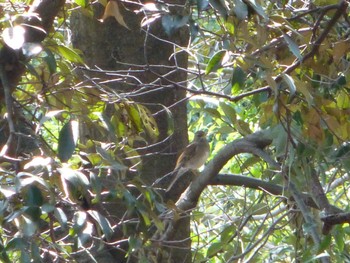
[110, 46]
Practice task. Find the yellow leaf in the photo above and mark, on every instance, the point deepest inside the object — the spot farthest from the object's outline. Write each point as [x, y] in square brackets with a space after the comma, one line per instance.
[112, 9]
[343, 100]
[340, 50]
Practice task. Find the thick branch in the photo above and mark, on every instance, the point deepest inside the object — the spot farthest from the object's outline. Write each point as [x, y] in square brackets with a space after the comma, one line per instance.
[253, 144]
[254, 183]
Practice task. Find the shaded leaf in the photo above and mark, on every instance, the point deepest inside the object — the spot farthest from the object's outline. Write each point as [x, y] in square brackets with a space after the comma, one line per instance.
[50, 61]
[202, 5]
[238, 76]
[194, 30]
[258, 9]
[219, 5]
[240, 9]
[34, 213]
[115, 165]
[34, 196]
[293, 47]
[171, 23]
[16, 243]
[291, 85]
[61, 217]
[67, 140]
[229, 112]
[103, 223]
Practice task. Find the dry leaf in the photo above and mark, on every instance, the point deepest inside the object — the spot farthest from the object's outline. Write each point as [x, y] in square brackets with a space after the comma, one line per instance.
[112, 9]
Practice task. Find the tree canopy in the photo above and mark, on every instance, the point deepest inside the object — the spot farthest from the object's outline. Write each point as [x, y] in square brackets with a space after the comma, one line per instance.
[87, 144]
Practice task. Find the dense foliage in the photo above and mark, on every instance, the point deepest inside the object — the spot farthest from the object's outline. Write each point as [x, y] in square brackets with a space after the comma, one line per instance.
[73, 145]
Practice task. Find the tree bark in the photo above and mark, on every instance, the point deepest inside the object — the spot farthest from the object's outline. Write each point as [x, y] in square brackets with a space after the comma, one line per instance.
[110, 46]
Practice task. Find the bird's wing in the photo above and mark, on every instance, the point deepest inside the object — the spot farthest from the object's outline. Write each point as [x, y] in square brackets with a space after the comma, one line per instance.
[189, 151]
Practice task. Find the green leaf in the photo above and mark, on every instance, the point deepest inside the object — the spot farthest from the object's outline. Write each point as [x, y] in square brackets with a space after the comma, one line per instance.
[150, 124]
[293, 47]
[34, 213]
[75, 184]
[107, 124]
[194, 30]
[339, 236]
[61, 217]
[69, 54]
[34, 196]
[103, 223]
[24, 179]
[214, 248]
[75, 177]
[228, 233]
[291, 85]
[240, 9]
[238, 77]
[50, 61]
[213, 112]
[219, 5]
[35, 252]
[258, 9]
[229, 112]
[96, 185]
[215, 61]
[135, 117]
[79, 221]
[82, 3]
[115, 165]
[67, 140]
[202, 5]
[16, 243]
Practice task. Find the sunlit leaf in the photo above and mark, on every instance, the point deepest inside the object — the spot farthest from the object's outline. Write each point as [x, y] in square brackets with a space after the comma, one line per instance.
[61, 217]
[112, 9]
[82, 3]
[214, 248]
[216, 61]
[79, 221]
[69, 54]
[227, 233]
[14, 37]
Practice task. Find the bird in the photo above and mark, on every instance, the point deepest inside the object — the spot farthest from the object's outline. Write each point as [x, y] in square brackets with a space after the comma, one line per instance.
[193, 157]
